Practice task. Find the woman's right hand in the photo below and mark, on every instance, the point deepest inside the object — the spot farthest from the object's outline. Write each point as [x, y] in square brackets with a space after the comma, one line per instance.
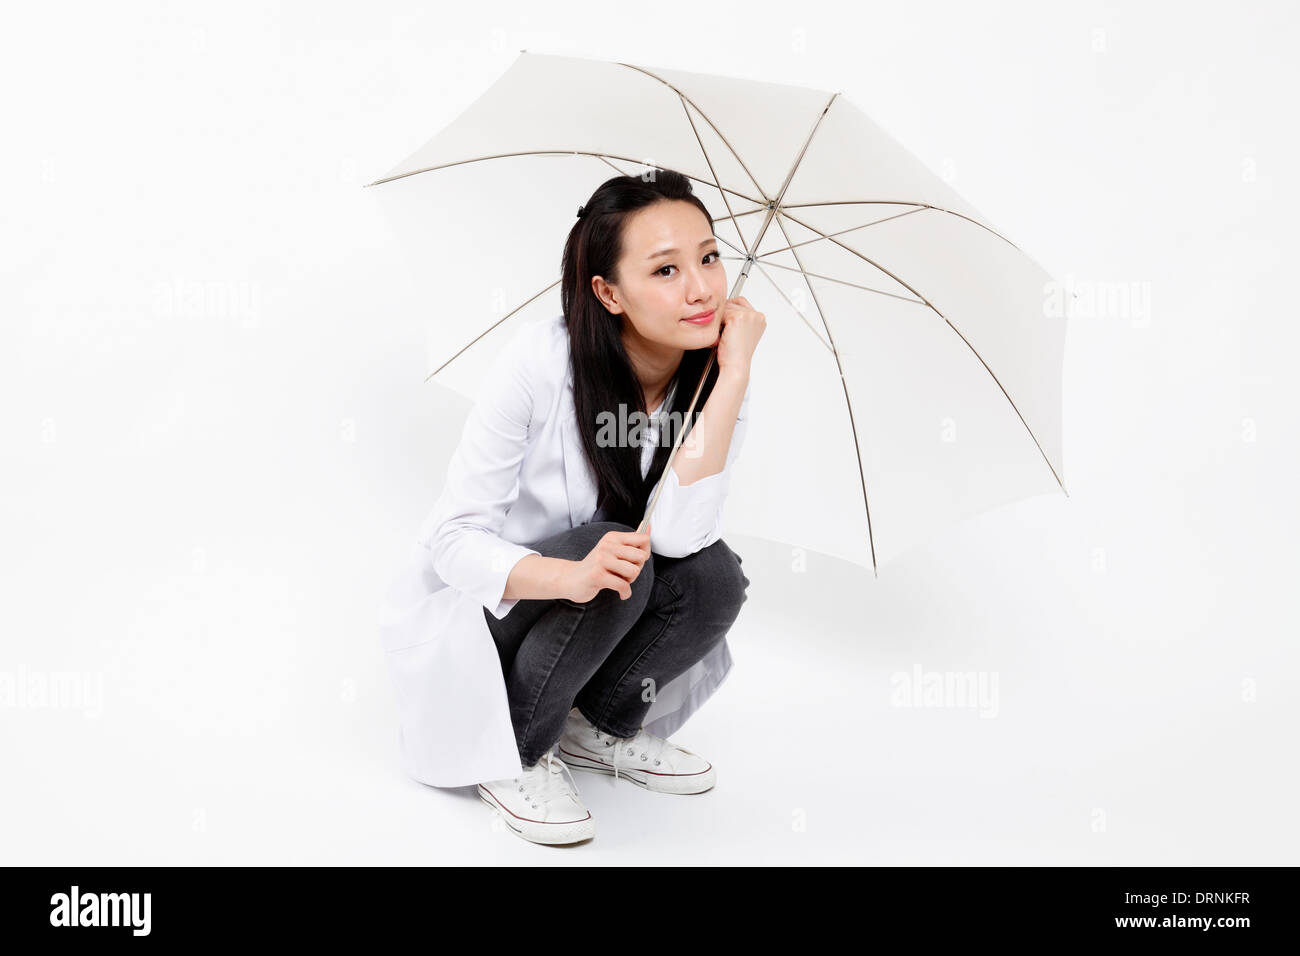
[613, 563]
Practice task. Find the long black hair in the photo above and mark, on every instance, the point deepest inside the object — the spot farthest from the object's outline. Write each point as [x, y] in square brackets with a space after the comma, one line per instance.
[603, 376]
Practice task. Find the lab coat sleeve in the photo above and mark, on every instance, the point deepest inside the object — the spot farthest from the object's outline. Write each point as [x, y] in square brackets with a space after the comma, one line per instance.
[463, 532]
[688, 518]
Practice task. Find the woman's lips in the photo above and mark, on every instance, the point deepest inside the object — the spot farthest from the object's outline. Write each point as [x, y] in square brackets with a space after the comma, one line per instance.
[702, 320]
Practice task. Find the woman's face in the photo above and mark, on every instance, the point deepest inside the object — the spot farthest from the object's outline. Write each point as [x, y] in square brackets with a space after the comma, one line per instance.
[670, 270]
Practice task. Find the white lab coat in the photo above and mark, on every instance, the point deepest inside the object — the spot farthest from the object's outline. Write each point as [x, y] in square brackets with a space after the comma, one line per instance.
[518, 475]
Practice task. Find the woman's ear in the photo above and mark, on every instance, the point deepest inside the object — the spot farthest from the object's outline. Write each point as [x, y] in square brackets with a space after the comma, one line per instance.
[606, 294]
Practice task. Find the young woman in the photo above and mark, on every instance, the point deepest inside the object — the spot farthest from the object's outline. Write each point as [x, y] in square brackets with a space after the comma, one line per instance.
[605, 639]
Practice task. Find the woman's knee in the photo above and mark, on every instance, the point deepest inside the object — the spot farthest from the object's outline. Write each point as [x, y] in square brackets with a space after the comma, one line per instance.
[602, 528]
[718, 579]
[640, 586]
[577, 542]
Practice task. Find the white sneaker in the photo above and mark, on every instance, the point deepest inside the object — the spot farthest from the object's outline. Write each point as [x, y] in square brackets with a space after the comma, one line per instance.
[539, 804]
[646, 760]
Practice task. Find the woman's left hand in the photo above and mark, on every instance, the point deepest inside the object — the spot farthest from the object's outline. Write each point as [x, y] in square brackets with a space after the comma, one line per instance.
[742, 327]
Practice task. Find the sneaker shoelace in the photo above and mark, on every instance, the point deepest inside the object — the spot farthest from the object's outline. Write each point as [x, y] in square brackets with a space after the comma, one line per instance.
[651, 747]
[552, 784]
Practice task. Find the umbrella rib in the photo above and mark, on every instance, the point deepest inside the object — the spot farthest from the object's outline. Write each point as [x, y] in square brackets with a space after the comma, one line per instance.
[863, 258]
[864, 225]
[817, 275]
[917, 207]
[931, 305]
[705, 153]
[608, 162]
[900, 202]
[1013, 404]
[775, 204]
[730, 244]
[712, 125]
[815, 333]
[748, 212]
[848, 402]
[491, 327]
[556, 152]
[778, 289]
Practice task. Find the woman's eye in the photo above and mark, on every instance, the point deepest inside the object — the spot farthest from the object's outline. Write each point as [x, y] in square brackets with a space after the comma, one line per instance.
[716, 256]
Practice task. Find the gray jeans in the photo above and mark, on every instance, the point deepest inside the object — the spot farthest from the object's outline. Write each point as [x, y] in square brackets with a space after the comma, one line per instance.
[607, 656]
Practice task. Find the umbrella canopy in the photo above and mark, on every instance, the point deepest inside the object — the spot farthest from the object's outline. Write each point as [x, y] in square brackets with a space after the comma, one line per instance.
[910, 374]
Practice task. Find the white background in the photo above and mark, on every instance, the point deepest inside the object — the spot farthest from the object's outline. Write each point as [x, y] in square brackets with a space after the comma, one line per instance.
[217, 445]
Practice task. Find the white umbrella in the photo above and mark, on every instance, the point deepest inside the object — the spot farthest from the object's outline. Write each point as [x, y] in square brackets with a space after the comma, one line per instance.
[910, 374]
